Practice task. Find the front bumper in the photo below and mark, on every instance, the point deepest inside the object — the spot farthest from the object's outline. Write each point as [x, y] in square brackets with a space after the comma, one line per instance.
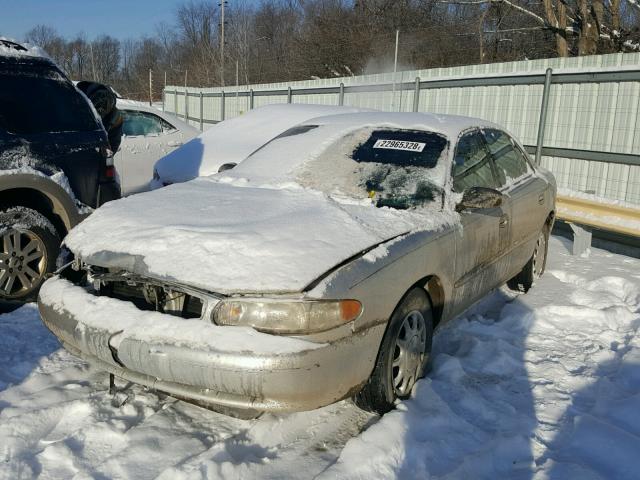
[293, 379]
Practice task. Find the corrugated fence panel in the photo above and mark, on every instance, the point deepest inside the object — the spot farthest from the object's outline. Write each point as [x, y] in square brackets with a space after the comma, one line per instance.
[590, 116]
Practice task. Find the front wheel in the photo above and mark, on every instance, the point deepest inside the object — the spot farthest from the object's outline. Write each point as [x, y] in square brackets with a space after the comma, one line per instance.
[29, 245]
[534, 268]
[403, 356]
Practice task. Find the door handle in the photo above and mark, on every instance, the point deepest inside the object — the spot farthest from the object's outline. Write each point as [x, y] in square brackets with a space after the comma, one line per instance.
[541, 198]
[504, 221]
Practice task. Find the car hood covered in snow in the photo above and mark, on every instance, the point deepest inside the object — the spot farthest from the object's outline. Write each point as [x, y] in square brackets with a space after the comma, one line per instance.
[233, 239]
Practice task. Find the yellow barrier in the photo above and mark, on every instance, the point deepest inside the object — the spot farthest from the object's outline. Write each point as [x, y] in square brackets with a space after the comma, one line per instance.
[613, 218]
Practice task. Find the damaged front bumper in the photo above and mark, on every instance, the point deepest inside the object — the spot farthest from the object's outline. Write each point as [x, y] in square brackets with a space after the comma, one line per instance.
[222, 378]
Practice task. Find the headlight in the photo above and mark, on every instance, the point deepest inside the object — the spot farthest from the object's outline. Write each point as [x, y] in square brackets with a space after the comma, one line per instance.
[275, 316]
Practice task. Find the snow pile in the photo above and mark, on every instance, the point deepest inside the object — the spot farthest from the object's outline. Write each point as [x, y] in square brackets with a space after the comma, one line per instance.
[31, 50]
[543, 385]
[546, 384]
[235, 139]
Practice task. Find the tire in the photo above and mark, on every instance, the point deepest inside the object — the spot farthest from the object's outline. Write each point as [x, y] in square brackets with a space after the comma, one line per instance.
[29, 246]
[412, 324]
[534, 268]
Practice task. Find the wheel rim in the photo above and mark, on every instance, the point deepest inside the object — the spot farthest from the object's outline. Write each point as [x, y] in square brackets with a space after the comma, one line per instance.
[408, 354]
[539, 254]
[23, 261]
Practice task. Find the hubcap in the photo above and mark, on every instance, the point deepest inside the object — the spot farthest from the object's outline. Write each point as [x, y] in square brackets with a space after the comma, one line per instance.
[22, 262]
[539, 254]
[408, 354]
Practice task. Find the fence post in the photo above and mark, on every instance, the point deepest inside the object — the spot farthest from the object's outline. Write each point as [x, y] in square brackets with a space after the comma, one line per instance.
[288, 94]
[186, 105]
[175, 103]
[222, 106]
[251, 99]
[163, 96]
[416, 95]
[201, 112]
[543, 114]
[341, 95]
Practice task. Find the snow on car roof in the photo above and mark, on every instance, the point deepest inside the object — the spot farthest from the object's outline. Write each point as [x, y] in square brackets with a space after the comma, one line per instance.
[8, 49]
[278, 160]
[231, 141]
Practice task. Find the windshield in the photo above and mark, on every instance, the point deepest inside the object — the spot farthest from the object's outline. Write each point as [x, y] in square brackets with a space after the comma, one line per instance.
[395, 168]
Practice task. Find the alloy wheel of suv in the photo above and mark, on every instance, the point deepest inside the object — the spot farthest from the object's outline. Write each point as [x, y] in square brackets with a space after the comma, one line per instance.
[28, 248]
[23, 262]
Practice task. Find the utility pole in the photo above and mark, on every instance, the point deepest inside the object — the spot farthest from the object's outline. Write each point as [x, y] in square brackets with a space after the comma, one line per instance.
[395, 69]
[222, 3]
[93, 65]
[150, 87]
[237, 82]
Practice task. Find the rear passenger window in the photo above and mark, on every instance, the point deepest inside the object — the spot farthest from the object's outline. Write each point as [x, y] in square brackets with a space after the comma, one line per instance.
[142, 123]
[509, 160]
[37, 100]
[472, 164]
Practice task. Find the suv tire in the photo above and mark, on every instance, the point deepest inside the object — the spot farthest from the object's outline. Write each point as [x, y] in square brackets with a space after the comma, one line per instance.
[29, 247]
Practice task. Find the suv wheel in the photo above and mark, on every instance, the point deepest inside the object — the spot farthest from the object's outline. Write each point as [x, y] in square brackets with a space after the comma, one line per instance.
[29, 246]
[403, 356]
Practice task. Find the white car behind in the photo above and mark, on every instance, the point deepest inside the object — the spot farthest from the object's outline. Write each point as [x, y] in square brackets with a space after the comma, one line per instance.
[148, 134]
[230, 142]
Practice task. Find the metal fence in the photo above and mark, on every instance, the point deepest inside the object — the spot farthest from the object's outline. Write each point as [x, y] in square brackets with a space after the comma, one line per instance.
[579, 116]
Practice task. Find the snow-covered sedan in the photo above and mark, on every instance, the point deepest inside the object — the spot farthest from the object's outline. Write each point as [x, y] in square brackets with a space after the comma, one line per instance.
[148, 134]
[316, 270]
[228, 143]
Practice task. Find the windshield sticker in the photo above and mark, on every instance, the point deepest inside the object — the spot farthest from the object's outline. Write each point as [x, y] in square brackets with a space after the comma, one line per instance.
[400, 145]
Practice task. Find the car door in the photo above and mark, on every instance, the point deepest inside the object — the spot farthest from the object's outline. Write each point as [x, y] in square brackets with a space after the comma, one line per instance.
[483, 235]
[526, 192]
[146, 139]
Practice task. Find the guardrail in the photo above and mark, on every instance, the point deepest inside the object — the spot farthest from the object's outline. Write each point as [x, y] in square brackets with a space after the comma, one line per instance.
[605, 216]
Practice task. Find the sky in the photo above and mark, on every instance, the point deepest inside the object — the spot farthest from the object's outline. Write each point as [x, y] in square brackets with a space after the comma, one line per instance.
[119, 18]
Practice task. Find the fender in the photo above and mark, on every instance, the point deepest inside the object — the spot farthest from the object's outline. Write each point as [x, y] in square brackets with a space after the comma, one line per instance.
[62, 203]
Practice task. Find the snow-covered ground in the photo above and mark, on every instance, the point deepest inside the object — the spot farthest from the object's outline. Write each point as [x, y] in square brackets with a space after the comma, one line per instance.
[543, 385]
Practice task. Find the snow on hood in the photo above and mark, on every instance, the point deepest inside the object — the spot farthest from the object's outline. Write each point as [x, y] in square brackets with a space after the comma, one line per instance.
[232, 239]
[235, 139]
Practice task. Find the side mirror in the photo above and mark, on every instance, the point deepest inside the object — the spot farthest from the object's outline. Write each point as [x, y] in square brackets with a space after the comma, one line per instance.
[475, 198]
[226, 166]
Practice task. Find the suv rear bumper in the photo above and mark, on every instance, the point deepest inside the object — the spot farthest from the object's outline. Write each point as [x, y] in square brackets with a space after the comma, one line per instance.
[107, 192]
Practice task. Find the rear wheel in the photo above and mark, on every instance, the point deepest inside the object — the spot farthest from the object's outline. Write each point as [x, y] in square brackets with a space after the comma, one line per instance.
[29, 246]
[534, 268]
[403, 356]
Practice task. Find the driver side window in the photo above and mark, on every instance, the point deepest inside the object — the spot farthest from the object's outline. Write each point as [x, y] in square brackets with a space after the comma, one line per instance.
[472, 163]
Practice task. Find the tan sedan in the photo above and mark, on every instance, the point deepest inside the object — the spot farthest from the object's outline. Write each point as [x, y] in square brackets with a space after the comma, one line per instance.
[316, 270]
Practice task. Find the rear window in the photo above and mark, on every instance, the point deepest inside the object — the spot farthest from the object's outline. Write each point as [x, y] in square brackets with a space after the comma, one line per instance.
[392, 168]
[39, 100]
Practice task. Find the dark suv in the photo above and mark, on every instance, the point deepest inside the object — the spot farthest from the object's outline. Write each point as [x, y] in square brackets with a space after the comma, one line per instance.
[55, 167]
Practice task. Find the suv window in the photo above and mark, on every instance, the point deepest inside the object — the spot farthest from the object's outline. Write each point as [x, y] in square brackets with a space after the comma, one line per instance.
[509, 160]
[472, 163]
[142, 123]
[41, 100]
